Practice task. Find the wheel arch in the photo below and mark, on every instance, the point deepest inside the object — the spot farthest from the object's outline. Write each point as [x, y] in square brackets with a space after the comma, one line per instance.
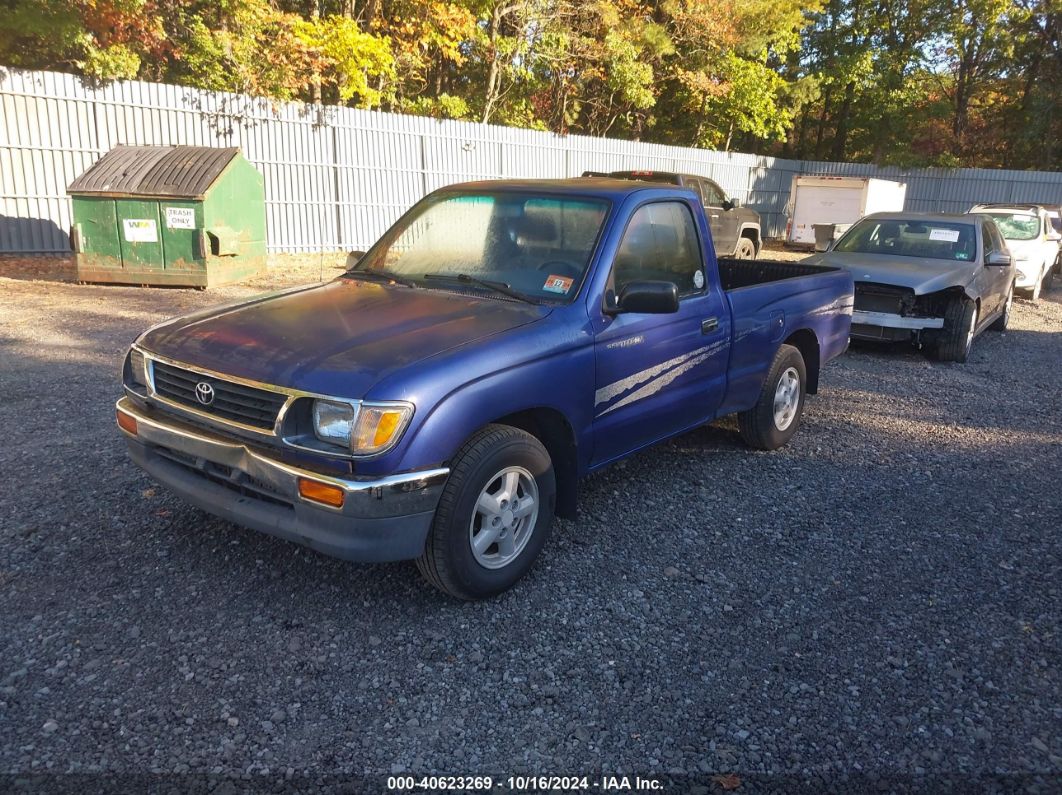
[552, 428]
[805, 341]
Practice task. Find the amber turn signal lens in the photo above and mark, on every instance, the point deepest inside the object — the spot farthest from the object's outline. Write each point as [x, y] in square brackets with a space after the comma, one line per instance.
[126, 422]
[324, 493]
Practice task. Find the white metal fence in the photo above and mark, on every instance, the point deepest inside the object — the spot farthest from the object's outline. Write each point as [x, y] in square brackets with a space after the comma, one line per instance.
[335, 178]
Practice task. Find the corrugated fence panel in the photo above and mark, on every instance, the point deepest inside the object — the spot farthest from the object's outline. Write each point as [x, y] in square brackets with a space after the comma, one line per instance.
[336, 178]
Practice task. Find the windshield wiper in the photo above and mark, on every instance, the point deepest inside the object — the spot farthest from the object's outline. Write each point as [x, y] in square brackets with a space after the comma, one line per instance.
[384, 276]
[498, 287]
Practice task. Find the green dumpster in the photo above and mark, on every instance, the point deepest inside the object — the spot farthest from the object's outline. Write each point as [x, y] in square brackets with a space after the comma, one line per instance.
[190, 216]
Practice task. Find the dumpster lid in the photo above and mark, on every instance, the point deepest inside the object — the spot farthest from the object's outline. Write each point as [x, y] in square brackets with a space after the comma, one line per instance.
[185, 172]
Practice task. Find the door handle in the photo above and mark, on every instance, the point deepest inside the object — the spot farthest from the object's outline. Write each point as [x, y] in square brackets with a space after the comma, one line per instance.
[709, 325]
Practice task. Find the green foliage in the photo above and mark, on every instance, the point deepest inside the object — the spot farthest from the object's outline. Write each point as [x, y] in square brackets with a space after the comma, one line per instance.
[108, 63]
[904, 82]
[350, 60]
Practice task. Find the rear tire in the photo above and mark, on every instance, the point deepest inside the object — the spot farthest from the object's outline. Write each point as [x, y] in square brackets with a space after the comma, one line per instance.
[956, 338]
[746, 249]
[516, 521]
[776, 416]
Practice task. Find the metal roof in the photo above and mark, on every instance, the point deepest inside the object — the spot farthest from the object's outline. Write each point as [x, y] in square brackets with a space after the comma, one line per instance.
[173, 171]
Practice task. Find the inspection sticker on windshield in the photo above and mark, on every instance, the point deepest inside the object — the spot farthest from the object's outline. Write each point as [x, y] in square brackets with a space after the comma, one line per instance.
[944, 235]
[557, 284]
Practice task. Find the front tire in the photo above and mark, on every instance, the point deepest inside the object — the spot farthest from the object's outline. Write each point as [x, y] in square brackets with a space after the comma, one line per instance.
[746, 249]
[494, 516]
[776, 416]
[956, 338]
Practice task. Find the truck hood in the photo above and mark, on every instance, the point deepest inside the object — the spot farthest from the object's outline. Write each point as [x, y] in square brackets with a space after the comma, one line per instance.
[339, 338]
[922, 274]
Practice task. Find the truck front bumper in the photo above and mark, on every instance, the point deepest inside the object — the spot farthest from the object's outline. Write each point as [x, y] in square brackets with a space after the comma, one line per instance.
[383, 519]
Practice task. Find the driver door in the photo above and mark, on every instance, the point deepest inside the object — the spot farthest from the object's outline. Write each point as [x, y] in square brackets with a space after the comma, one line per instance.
[993, 281]
[657, 375]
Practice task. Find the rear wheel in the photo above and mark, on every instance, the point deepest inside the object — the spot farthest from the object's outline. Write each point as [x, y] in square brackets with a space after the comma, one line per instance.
[956, 338]
[494, 515]
[776, 416]
[746, 249]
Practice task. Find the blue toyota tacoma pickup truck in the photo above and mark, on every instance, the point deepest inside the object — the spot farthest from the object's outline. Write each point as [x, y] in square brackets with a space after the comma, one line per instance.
[441, 399]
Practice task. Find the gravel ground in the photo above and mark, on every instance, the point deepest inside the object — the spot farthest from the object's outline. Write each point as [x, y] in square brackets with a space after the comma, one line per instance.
[878, 603]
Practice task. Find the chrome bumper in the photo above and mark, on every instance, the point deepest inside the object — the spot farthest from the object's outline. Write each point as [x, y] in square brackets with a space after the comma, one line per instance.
[381, 519]
[889, 320]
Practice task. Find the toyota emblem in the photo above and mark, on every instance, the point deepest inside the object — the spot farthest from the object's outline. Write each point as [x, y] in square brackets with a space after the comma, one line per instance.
[204, 393]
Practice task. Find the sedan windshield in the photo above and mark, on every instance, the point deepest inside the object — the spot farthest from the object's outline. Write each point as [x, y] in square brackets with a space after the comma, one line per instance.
[514, 244]
[945, 240]
[1017, 226]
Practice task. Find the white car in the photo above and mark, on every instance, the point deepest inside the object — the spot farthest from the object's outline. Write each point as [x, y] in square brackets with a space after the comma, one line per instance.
[1032, 240]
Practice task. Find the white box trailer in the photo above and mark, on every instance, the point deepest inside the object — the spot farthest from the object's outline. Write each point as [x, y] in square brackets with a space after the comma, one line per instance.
[837, 200]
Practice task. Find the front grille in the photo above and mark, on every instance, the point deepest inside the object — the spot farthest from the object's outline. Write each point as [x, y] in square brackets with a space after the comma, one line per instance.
[883, 298]
[234, 402]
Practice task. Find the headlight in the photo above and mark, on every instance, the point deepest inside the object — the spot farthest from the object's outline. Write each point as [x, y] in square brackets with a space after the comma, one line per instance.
[364, 428]
[138, 368]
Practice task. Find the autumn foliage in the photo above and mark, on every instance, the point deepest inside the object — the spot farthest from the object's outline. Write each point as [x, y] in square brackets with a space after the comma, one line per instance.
[918, 82]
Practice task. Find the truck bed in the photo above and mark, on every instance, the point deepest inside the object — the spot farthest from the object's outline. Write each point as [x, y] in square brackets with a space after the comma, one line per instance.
[769, 302]
[738, 273]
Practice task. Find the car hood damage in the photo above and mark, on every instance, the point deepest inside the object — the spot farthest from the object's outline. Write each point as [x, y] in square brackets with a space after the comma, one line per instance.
[920, 274]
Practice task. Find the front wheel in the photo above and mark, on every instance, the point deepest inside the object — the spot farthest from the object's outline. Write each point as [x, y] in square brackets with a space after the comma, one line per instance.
[494, 516]
[956, 338]
[774, 419]
[746, 249]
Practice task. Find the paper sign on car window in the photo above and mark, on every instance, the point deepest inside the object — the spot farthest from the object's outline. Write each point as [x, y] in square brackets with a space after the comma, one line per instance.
[140, 230]
[944, 235]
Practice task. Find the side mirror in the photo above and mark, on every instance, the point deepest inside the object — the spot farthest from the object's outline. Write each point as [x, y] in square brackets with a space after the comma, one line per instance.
[353, 258]
[648, 298]
[1000, 259]
[1054, 237]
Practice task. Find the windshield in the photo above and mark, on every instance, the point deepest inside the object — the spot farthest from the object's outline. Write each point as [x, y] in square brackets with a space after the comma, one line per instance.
[1017, 226]
[945, 240]
[538, 246]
